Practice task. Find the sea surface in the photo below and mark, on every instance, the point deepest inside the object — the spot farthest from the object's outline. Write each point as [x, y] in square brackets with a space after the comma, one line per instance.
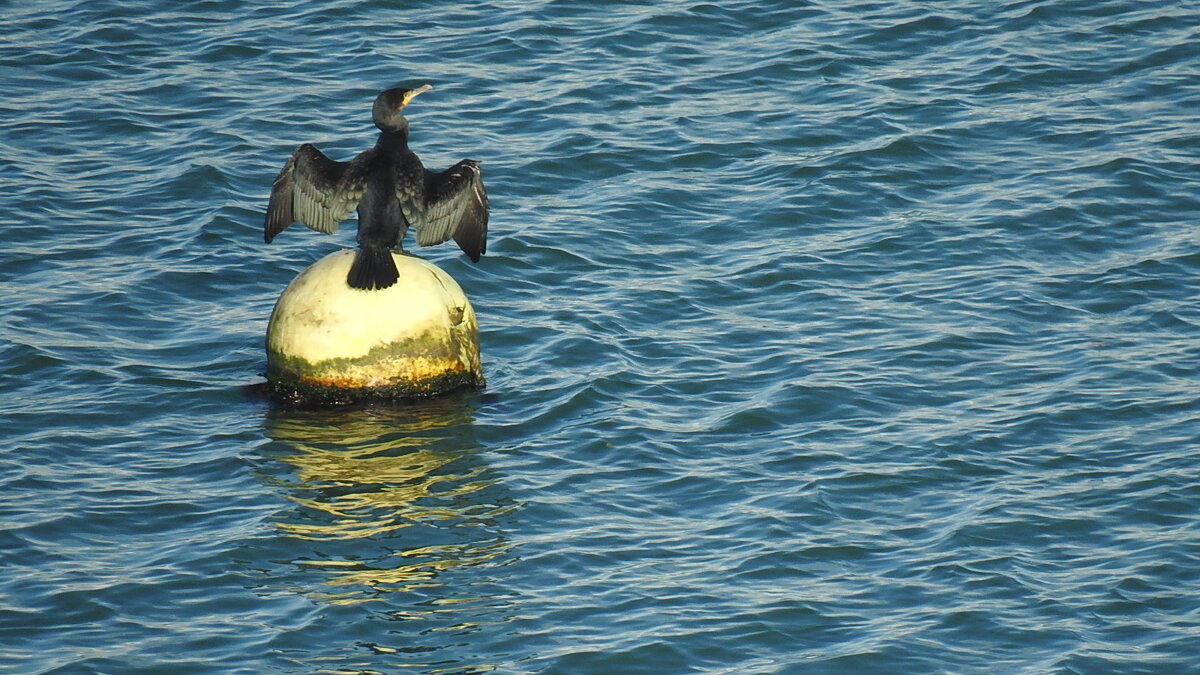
[820, 337]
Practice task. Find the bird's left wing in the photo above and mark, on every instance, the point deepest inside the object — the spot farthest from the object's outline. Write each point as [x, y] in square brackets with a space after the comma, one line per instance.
[456, 205]
[314, 190]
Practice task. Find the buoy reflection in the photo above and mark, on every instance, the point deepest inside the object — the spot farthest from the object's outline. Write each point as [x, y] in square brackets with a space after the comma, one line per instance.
[388, 502]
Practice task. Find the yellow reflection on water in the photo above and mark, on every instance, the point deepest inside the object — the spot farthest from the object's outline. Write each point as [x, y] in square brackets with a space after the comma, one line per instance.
[389, 502]
[395, 489]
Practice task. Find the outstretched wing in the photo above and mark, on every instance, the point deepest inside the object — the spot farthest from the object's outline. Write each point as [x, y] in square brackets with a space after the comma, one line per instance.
[456, 205]
[314, 190]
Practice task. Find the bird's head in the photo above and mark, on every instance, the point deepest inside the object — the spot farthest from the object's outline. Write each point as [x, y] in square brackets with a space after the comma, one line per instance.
[386, 113]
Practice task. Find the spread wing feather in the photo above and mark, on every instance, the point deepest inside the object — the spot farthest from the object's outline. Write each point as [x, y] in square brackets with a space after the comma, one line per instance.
[456, 205]
[411, 192]
[314, 190]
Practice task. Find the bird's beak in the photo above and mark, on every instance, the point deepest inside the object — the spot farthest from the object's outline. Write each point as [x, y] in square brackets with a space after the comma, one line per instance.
[414, 92]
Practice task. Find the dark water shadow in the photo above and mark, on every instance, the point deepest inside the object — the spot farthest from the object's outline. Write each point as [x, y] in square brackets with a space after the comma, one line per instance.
[396, 533]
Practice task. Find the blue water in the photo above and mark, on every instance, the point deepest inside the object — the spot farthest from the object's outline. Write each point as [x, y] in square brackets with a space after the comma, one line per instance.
[820, 337]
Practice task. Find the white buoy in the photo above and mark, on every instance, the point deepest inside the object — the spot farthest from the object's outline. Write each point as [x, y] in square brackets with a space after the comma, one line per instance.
[328, 342]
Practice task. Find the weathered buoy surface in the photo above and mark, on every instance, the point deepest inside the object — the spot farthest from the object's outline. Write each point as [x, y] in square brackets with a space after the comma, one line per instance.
[329, 343]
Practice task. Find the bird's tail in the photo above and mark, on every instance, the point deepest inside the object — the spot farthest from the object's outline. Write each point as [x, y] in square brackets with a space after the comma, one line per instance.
[373, 267]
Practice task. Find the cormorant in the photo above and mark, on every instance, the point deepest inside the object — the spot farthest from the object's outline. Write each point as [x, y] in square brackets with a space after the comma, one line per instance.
[391, 190]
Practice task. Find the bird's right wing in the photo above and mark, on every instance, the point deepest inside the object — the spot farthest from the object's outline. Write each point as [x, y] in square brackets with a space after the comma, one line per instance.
[456, 206]
[314, 190]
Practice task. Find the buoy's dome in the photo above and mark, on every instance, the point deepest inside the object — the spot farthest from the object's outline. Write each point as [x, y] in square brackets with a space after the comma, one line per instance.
[327, 342]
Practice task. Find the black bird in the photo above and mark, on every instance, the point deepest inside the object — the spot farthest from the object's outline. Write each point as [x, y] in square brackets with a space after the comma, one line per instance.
[391, 190]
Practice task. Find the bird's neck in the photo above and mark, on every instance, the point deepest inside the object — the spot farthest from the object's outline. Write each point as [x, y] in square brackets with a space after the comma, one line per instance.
[392, 124]
[393, 138]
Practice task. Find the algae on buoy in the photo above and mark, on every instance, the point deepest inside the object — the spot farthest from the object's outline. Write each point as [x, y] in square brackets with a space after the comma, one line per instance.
[328, 342]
